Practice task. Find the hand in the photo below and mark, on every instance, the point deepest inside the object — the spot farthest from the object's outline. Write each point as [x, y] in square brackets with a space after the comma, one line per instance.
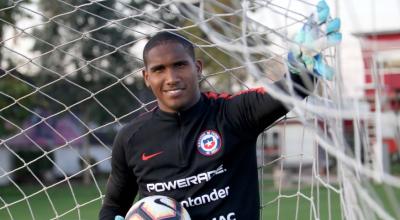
[118, 217]
[318, 33]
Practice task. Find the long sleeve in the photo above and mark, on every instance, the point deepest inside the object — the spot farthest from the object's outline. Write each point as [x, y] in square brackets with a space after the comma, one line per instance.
[121, 186]
[252, 111]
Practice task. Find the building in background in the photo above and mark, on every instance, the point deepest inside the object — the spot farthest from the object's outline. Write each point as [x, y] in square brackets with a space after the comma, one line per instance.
[381, 58]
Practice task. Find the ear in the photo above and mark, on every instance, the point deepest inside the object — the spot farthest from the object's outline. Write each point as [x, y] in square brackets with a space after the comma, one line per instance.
[199, 68]
[146, 77]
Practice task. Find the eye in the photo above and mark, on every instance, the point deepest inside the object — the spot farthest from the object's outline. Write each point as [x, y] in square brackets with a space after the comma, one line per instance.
[180, 64]
[157, 70]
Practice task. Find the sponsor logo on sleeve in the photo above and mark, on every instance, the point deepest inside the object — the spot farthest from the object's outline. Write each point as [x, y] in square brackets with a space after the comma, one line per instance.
[209, 143]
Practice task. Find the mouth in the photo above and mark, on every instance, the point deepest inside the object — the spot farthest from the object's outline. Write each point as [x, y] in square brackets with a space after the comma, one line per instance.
[174, 92]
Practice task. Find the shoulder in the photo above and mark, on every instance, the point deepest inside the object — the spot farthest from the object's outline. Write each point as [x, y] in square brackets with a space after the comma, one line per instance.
[131, 128]
[214, 96]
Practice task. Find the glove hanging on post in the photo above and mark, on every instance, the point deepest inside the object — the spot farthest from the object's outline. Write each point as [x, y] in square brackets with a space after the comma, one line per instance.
[317, 34]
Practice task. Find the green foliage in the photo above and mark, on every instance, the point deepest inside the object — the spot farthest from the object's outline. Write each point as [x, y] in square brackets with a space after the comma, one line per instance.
[87, 60]
[11, 90]
[89, 44]
[10, 87]
[38, 167]
[395, 167]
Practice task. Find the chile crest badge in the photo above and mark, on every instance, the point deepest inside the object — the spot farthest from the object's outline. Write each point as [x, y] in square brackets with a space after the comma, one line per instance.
[209, 143]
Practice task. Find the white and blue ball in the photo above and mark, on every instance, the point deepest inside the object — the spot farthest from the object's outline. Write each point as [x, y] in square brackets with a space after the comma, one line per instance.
[157, 208]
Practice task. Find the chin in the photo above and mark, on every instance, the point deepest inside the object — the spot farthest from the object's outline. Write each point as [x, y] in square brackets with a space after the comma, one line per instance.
[179, 106]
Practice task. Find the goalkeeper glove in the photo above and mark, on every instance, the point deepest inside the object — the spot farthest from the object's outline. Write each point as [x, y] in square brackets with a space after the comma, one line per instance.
[318, 33]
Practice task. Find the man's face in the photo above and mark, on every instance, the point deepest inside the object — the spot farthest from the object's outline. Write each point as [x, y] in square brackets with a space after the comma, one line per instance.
[172, 75]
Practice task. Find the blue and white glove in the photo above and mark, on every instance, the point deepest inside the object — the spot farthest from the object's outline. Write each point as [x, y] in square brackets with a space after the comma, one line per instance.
[318, 33]
[118, 217]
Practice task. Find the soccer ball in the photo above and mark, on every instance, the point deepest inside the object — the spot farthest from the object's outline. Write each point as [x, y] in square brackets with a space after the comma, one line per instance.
[156, 208]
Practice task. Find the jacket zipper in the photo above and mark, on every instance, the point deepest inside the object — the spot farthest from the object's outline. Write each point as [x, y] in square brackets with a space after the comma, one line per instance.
[180, 140]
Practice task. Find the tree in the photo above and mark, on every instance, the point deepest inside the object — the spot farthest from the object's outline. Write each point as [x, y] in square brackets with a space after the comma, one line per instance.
[9, 14]
[10, 87]
[89, 44]
[87, 63]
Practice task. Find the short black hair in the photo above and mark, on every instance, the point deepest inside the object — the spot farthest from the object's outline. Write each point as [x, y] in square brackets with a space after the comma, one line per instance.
[165, 37]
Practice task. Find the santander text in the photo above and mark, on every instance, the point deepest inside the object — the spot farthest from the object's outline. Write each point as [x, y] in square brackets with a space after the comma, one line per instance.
[216, 194]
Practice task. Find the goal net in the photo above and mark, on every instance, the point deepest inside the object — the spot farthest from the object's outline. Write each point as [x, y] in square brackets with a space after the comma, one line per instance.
[70, 77]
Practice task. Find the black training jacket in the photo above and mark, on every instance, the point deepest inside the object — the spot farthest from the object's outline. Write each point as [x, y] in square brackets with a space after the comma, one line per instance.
[204, 157]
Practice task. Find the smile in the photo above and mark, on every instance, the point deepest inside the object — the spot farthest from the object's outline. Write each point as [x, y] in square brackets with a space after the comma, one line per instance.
[174, 92]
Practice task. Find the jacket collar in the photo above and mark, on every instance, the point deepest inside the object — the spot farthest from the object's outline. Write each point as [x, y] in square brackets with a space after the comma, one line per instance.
[185, 115]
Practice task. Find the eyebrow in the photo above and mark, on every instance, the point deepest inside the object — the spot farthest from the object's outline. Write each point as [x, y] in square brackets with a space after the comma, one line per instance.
[157, 67]
[154, 68]
[181, 62]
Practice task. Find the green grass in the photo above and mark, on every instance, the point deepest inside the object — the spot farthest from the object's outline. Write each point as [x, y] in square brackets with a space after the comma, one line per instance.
[63, 201]
[61, 197]
[287, 208]
[395, 168]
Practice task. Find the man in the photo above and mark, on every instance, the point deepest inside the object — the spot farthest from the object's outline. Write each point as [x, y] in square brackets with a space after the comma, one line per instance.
[198, 148]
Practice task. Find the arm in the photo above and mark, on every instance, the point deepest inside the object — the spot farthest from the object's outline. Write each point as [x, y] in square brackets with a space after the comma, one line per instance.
[121, 186]
[251, 111]
[255, 111]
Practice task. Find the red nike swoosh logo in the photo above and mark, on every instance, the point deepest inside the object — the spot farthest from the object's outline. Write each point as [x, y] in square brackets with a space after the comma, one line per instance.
[147, 157]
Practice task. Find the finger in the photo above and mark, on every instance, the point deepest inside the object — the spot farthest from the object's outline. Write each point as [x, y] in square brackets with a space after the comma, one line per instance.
[322, 69]
[299, 38]
[322, 11]
[333, 26]
[334, 39]
[309, 32]
[314, 47]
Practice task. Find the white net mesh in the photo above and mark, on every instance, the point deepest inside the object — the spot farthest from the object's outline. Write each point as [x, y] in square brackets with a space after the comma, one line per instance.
[71, 76]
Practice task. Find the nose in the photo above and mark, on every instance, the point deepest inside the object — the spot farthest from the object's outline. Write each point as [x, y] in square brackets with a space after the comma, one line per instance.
[172, 76]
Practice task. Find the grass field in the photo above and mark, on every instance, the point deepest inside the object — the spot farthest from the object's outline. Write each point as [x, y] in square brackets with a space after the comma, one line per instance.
[63, 201]
[61, 198]
[287, 206]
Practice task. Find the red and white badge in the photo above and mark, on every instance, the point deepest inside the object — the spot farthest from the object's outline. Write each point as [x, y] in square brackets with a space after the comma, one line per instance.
[209, 142]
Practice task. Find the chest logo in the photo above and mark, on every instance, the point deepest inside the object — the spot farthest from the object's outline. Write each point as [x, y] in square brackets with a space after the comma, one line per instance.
[148, 157]
[209, 143]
